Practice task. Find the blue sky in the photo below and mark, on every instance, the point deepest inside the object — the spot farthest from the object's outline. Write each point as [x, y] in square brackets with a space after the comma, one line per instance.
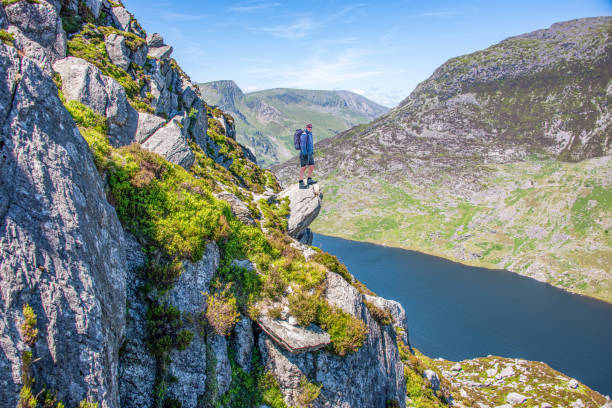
[379, 49]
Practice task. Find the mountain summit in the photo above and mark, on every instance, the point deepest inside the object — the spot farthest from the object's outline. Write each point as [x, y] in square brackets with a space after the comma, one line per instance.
[266, 120]
[501, 159]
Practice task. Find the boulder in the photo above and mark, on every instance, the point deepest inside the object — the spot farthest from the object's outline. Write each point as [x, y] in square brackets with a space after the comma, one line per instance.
[61, 243]
[155, 40]
[170, 142]
[121, 17]
[433, 379]
[456, 367]
[304, 207]
[515, 398]
[147, 125]
[573, 384]
[117, 51]
[38, 32]
[84, 82]
[162, 52]
[244, 342]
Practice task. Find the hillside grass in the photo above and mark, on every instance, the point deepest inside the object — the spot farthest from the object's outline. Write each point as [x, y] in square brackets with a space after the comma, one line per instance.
[541, 218]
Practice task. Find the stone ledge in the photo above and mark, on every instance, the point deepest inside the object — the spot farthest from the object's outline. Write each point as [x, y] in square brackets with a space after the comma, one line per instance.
[294, 339]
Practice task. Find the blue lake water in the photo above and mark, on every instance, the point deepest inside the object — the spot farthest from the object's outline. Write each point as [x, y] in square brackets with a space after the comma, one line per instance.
[460, 312]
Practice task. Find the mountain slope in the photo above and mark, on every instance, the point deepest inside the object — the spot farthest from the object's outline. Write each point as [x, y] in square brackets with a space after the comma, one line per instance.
[499, 159]
[266, 120]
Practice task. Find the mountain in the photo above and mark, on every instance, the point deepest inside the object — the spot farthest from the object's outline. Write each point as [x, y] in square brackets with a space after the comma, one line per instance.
[147, 261]
[500, 159]
[266, 120]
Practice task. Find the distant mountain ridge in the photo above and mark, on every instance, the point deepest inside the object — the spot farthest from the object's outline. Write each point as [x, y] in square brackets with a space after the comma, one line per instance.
[502, 158]
[265, 120]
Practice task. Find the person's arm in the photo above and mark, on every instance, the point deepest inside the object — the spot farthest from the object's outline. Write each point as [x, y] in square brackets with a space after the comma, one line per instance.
[303, 143]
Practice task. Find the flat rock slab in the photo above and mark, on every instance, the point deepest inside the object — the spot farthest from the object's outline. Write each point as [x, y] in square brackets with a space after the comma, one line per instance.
[304, 207]
[294, 339]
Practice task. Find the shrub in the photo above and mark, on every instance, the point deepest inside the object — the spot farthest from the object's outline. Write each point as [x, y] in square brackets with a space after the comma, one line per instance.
[332, 263]
[274, 286]
[347, 333]
[304, 307]
[271, 393]
[163, 274]
[87, 404]
[275, 312]
[183, 339]
[6, 37]
[86, 117]
[163, 323]
[245, 284]
[29, 332]
[307, 393]
[222, 312]
[382, 316]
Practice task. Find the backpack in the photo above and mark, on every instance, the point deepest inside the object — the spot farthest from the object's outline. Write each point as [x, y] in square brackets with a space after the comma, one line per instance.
[296, 139]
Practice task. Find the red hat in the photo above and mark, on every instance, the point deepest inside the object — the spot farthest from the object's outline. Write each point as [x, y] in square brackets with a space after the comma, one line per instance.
[309, 125]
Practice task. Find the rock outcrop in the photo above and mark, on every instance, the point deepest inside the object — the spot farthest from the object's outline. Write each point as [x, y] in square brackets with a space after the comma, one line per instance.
[61, 244]
[304, 206]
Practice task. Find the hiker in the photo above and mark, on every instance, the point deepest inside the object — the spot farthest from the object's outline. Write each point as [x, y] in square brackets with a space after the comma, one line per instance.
[306, 156]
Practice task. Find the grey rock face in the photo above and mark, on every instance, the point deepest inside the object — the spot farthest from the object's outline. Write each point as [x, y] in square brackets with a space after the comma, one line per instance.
[244, 342]
[162, 52]
[189, 365]
[155, 40]
[84, 82]
[199, 126]
[136, 365]
[189, 96]
[170, 142]
[306, 237]
[366, 378]
[304, 207]
[223, 368]
[121, 17]
[397, 312]
[239, 209]
[433, 378]
[286, 367]
[62, 246]
[117, 51]
[147, 125]
[38, 31]
[139, 56]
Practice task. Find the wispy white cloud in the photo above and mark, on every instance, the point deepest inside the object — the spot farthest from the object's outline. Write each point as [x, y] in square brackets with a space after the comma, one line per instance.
[183, 16]
[444, 13]
[298, 29]
[251, 6]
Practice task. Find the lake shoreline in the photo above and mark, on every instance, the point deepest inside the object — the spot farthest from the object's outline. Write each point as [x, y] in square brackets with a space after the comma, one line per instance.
[460, 312]
[466, 263]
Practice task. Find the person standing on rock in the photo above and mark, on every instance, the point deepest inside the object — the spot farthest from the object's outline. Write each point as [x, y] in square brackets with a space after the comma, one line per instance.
[306, 156]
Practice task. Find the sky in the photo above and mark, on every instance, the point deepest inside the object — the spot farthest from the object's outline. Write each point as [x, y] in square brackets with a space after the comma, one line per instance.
[380, 49]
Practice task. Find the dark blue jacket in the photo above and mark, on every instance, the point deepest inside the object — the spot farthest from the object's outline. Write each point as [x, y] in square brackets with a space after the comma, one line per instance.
[306, 145]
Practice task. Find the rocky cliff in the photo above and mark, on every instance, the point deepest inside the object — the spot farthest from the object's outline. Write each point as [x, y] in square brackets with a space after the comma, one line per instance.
[500, 159]
[266, 120]
[147, 261]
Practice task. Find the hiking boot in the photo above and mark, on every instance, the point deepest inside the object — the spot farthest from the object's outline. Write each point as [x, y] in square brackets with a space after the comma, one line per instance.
[302, 185]
[311, 181]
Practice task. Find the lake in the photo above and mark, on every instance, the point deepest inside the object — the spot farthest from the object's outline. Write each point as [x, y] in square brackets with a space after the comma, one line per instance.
[461, 312]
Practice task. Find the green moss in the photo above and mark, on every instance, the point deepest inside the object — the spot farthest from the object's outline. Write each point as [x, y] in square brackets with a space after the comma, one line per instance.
[6, 37]
[347, 333]
[86, 117]
[6, 3]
